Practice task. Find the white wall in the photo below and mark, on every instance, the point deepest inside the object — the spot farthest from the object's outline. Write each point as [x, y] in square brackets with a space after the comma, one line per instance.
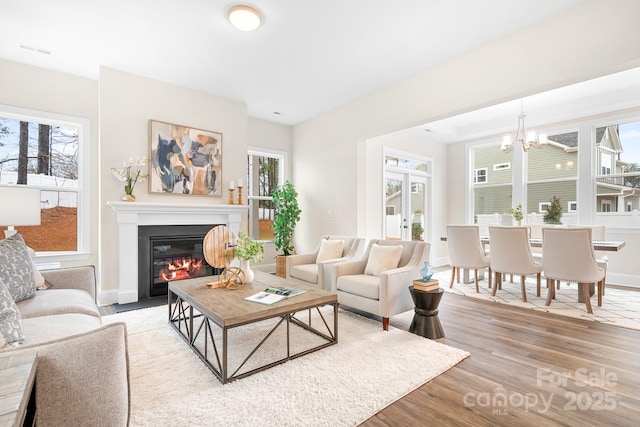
[127, 103]
[588, 41]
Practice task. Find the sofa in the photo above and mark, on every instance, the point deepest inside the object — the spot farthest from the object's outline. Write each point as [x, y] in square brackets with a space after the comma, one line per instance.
[82, 376]
[312, 267]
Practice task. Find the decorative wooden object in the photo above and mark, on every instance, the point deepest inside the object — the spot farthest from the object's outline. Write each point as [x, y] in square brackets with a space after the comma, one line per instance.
[219, 249]
[231, 190]
[239, 194]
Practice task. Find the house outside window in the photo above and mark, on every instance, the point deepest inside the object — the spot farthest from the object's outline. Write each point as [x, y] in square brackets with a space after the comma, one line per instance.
[618, 164]
[266, 173]
[492, 181]
[553, 171]
[49, 152]
[480, 176]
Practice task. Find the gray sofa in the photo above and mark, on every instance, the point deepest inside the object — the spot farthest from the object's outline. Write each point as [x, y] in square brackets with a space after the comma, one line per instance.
[82, 375]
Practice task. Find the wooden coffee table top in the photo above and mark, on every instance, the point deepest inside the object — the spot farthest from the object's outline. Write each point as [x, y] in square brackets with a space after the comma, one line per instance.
[228, 308]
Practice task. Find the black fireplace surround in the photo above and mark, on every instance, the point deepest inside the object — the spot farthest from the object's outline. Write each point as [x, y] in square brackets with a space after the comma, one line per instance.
[170, 252]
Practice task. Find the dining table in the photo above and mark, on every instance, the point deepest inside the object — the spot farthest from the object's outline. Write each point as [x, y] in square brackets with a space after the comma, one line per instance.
[598, 245]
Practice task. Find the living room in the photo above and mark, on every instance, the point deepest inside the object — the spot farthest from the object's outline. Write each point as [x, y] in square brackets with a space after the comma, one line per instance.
[334, 158]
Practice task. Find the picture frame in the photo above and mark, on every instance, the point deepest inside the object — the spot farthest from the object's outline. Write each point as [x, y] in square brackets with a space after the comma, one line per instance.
[184, 160]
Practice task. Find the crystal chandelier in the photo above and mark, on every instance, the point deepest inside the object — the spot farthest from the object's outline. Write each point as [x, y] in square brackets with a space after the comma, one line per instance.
[527, 139]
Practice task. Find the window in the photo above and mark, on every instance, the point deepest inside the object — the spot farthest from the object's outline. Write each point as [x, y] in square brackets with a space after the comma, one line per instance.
[572, 207]
[48, 151]
[543, 207]
[501, 166]
[266, 173]
[553, 171]
[618, 165]
[480, 176]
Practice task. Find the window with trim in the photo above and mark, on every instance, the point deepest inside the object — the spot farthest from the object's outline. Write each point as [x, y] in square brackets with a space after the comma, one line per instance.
[543, 207]
[572, 207]
[618, 166]
[47, 151]
[501, 166]
[266, 173]
[480, 176]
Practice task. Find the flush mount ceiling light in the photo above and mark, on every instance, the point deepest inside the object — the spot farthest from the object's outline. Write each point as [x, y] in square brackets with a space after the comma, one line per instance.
[244, 18]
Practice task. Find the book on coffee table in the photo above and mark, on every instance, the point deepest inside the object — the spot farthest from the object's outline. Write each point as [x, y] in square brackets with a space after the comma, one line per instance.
[273, 294]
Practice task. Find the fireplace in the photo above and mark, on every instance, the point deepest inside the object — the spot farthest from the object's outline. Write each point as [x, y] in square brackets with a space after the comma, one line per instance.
[168, 253]
[132, 216]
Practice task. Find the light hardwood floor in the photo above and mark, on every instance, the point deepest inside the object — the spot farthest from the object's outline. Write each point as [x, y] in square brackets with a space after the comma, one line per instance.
[526, 368]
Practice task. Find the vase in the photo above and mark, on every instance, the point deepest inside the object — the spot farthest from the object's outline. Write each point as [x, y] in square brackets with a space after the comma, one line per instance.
[518, 223]
[426, 272]
[246, 269]
[129, 198]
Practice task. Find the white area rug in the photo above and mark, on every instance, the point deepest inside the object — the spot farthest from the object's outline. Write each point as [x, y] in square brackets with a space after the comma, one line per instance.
[341, 385]
[619, 307]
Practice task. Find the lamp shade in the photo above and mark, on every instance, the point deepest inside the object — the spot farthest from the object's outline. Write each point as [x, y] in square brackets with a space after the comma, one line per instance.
[20, 205]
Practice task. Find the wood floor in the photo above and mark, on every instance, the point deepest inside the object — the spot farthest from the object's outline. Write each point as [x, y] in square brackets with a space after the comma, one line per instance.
[526, 368]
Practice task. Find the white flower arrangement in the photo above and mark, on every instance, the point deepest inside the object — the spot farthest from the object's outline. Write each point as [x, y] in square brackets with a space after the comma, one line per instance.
[125, 174]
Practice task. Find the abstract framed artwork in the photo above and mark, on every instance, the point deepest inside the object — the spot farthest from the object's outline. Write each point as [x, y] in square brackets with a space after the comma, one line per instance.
[184, 160]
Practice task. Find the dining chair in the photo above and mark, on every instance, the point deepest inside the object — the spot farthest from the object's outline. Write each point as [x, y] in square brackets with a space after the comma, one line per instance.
[598, 233]
[567, 254]
[465, 251]
[511, 254]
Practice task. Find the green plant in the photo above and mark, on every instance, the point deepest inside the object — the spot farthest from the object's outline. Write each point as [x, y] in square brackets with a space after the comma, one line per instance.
[248, 248]
[287, 215]
[416, 231]
[517, 213]
[554, 213]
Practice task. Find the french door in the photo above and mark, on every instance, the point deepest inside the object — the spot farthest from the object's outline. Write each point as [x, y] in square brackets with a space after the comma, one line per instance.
[406, 205]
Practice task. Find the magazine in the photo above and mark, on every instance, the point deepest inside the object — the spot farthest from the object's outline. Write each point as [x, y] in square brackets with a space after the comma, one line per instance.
[273, 294]
[287, 292]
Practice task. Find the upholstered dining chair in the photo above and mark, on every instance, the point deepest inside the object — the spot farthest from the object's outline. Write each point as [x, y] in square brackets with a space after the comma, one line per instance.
[312, 267]
[511, 254]
[567, 254]
[598, 233]
[378, 282]
[465, 251]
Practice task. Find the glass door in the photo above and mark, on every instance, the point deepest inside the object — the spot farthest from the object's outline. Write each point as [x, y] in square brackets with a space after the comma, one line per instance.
[405, 206]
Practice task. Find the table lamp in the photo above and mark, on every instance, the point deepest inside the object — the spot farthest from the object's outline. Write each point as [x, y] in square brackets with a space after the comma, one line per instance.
[19, 205]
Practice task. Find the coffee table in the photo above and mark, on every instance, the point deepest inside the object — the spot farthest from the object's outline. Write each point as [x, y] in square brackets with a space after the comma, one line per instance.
[204, 317]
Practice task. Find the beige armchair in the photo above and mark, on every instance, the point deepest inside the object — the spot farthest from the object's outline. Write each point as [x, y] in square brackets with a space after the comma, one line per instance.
[378, 282]
[312, 267]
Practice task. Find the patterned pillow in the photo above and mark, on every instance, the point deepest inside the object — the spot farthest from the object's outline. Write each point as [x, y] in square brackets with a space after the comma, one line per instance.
[16, 271]
[10, 319]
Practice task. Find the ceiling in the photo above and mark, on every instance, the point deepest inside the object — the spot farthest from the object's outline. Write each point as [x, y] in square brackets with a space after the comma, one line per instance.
[308, 57]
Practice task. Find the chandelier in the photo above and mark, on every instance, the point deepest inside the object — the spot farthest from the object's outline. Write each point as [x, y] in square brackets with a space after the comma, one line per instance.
[527, 139]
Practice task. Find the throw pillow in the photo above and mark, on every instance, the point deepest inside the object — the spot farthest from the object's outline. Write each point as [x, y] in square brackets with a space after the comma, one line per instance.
[329, 249]
[382, 258]
[10, 319]
[40, 282]
[16, 269]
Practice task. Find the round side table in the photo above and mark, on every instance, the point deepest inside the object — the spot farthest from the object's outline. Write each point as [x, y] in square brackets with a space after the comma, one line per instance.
[425, 320]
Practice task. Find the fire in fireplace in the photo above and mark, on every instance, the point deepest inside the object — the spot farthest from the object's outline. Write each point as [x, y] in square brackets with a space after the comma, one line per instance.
[169, 253]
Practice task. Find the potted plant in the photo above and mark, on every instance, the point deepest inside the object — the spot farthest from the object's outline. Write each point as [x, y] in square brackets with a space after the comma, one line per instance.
[554, 213]
[248, 249]
[518, 214]
[287, 215]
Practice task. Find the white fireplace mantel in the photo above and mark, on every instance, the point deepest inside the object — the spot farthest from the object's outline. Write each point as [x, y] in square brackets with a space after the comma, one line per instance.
[130, 215]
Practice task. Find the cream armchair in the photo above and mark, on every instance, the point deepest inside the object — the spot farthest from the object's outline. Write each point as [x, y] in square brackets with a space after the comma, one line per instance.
[378, 282]
[312, 267]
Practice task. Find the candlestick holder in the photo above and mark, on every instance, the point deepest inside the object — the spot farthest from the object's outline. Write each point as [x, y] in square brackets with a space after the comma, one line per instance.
[239, 194]
[231, 196]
